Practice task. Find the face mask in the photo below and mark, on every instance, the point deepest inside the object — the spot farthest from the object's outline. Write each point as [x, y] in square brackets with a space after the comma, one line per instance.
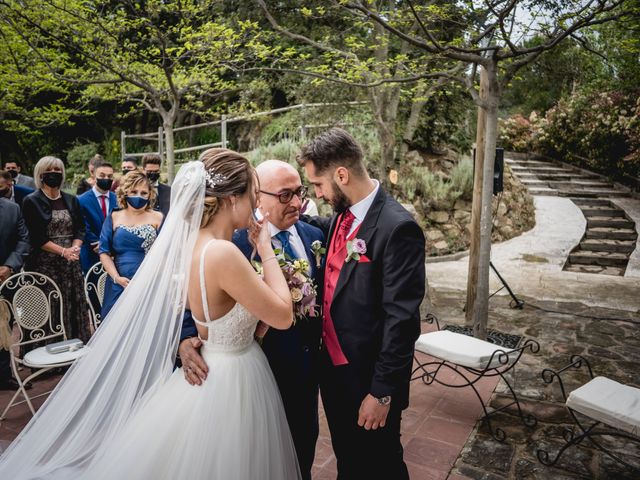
[52, 179]
[137, 202]
[124, 172]
[5, 193]
[153, 176]
[13, 173]
[104, 183]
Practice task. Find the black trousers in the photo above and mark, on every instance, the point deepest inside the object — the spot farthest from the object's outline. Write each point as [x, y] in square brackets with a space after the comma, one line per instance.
[361, 453]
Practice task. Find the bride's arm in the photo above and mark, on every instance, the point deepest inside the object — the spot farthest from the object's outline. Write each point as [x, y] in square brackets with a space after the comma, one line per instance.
[268, 300]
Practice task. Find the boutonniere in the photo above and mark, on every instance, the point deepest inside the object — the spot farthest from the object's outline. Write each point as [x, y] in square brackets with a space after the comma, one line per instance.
[318, 251]
[355, 248]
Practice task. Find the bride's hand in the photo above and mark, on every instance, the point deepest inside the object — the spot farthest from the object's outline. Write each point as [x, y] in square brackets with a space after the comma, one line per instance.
[260, 235]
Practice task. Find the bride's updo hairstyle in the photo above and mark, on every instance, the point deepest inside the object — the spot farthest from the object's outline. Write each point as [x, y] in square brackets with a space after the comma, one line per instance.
[228, 173]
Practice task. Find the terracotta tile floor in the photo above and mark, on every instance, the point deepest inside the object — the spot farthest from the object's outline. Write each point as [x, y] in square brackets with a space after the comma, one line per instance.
[435, 427]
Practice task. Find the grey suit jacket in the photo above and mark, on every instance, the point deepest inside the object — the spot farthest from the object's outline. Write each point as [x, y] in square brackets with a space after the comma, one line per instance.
[14, 236]
[25, 181]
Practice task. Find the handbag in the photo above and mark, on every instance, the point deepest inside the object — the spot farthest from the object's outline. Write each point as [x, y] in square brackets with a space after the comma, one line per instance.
[65, 346]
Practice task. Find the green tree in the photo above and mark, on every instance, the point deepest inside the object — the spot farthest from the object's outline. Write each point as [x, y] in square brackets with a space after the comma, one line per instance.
[484, 56]
[166, 56]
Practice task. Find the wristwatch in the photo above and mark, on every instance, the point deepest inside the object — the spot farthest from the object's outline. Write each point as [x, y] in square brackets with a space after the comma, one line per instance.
[386, 400]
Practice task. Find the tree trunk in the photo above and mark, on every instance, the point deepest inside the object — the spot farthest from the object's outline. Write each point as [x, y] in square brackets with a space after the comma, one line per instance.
[480, 308]
[169, 147]
[412, 124]
[478, 171]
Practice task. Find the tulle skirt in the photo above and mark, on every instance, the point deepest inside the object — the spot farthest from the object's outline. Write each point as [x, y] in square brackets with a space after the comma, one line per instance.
[231, 427]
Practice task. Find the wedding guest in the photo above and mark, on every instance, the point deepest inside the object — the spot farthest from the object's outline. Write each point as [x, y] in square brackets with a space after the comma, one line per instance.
[128, 164]
[87, 183]
[151, 166]
[127, 235]
[56, 229]
[96, 206]
[10, 191]
[14, 248]
[18, 178]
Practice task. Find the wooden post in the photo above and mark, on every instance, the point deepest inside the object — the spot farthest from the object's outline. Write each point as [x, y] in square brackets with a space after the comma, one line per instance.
[223, 131]
[123, 149]
[472, 277]
[160, 143]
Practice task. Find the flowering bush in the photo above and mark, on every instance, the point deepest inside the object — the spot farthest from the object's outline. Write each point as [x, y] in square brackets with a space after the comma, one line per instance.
[516, 134]
[600, 130]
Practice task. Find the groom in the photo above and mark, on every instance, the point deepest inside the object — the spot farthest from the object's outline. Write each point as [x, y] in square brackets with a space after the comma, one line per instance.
[293, 354]
[373, 285]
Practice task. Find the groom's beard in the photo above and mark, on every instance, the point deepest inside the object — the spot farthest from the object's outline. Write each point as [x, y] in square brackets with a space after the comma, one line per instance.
[339, 202]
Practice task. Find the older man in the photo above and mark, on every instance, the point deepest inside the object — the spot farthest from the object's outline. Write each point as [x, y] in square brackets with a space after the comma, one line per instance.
[14, 248]
[293, 354]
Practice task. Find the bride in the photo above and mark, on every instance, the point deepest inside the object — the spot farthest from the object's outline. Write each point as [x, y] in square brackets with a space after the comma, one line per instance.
[120, 412]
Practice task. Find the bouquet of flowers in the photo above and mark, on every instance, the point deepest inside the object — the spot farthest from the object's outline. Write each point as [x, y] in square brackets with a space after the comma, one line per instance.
[301, 285]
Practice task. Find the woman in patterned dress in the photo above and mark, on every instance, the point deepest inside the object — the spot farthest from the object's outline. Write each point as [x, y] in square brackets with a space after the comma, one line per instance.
[56, 229]
[127, 235]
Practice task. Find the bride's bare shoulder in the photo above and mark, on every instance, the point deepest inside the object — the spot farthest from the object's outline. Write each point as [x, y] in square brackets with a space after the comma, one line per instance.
[224, 250]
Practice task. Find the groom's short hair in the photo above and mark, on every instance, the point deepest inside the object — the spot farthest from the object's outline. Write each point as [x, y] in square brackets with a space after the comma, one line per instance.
[333, 148]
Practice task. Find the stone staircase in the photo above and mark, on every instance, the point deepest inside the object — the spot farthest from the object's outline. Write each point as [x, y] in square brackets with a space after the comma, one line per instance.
[610, 236]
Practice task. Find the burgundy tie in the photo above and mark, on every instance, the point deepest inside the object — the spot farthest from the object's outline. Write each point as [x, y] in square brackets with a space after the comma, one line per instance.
[343, 229]
[103, 202]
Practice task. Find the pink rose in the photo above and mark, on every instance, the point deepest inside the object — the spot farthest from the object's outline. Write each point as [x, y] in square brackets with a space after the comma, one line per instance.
[359, 246]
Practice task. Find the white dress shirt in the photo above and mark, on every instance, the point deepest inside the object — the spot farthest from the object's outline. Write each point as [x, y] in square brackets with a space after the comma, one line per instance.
[294, 240]
[98, 195]
[361, 208]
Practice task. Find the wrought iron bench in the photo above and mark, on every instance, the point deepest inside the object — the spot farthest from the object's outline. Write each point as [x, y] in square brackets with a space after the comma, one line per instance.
[610, 409]
[471, 359]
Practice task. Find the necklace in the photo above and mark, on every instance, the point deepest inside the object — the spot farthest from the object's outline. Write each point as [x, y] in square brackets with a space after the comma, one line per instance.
[50, 198]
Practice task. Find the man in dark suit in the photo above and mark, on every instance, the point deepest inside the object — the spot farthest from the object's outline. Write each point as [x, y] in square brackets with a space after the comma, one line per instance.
[151, 166]
[14, 248]
[96, 205]
[11, 191]
[373, 285]
[293, 354]
[15, 171]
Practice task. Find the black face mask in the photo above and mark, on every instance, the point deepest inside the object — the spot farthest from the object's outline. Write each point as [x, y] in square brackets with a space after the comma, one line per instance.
[52, 179]
[5, 193]
[104, 183]
[13, 173]
[153, 176]
[124, 172]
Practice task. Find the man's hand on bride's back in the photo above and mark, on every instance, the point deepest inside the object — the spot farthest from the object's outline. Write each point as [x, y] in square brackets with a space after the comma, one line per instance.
[193, 365]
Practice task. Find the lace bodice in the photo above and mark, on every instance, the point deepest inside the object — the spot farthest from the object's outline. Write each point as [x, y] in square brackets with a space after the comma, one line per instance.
[231, 332]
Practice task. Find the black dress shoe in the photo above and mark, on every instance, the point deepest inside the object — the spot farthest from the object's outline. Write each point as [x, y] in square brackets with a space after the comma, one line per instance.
[12, 384]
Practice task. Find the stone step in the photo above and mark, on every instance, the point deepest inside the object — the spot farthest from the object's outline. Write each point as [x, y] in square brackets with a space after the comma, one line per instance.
[529, 182]
[529, 163]
[580, 184]
[607, 245]
[567, 176]
[593, 193]
[539, 170]
[601, 211]
[612, 233]
[590, 201]
[604, 259]
[611, 222]
[549, 192]
[617, 271]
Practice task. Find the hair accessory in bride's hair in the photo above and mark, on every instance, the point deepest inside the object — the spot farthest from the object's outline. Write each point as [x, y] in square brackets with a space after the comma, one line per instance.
[214, 179]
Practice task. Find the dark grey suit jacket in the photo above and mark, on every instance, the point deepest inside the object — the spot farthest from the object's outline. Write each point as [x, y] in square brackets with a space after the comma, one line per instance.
[14, 237]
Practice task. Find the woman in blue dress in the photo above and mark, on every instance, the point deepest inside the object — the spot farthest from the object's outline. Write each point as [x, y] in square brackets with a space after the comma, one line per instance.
[127, 235]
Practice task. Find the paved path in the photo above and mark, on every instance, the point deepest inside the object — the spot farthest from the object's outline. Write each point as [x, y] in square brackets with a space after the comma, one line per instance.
[532, 263]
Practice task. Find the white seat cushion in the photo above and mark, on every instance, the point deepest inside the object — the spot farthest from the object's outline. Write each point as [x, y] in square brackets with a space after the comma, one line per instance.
[41, 358]
[609, 402]
[460, 349]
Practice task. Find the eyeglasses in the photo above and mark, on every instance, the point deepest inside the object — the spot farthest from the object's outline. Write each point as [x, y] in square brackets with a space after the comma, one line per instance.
[285, 196]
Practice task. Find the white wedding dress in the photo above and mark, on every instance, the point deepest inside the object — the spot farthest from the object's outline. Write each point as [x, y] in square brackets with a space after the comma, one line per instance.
[233, 426]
